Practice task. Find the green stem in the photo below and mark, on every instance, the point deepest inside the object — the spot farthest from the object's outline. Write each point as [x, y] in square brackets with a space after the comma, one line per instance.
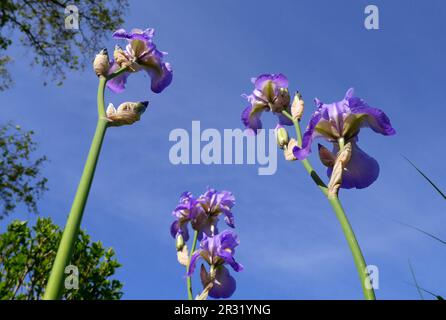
[361, 266]
[189, 278]
[54, 287]
[307, 165]
[353, 244]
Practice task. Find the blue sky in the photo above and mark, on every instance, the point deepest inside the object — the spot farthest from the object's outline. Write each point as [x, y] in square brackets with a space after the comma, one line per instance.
[292, 246]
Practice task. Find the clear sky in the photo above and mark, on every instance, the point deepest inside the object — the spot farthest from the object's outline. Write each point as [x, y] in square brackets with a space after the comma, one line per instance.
[291, 246]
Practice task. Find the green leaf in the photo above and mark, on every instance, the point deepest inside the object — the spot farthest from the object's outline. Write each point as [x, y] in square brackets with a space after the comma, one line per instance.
[422, 231]
[427, 178]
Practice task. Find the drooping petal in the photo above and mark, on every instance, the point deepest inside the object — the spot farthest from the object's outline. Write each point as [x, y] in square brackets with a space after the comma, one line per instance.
[161, 80]
[179, 228]
[193, 261]
[251, 119]
[117, 84]
[361, 171]
[229, 217]
[310, 134]
[224, 284]
[229, 259]
[375, 119]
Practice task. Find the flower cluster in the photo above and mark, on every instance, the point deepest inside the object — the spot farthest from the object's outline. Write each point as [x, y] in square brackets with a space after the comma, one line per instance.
[217, 249]
[139, 54]
[338, 123]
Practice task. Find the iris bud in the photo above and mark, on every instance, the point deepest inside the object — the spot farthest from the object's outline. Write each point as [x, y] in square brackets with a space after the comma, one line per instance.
[127, 113]
[179, 242]
[281, 136]
[297, 107]
[101, 63]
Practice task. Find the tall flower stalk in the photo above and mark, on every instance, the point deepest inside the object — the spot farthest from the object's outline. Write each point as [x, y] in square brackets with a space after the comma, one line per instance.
[140, 54]
[216, 249]
[335, 203]
[339, 123]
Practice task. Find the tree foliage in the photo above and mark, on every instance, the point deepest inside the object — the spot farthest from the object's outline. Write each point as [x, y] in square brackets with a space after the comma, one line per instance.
[20, 177]
[26, 256]
[41, 25]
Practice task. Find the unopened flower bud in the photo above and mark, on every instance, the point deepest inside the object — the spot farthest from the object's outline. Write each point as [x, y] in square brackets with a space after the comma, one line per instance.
[288, 150]
[183, 256]
[281, 136]
[127, 113]
[179, 242]
[297, 107]
[101, 63]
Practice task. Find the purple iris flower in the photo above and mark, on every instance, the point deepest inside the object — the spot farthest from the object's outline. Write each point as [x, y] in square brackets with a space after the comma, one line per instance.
[270, 94]
[185, 212]
[344, 120]
[214, 203]
[142, 53]
[202, 213]
[217, 251]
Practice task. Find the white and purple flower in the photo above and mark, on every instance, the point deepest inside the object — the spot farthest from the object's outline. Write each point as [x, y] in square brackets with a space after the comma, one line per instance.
[217, 251]
[139, 54]
[341, 122]
[270, 94]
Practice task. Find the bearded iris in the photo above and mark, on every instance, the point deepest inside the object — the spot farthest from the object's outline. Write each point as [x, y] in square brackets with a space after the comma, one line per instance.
[217, 251]
[202, 213]
[139, 54]
[340, 123]
[270, 94]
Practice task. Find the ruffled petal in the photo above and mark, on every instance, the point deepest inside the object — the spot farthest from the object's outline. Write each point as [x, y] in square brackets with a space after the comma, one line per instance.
[161, 80]
[135, 34]
[279, 80]
[224, 284]
[370, 117]
[361, 171]
[251, 119]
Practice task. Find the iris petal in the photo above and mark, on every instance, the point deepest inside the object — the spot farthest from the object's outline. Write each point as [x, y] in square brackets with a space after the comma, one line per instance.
[251, 119]
[224, 284]
[361, 171]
